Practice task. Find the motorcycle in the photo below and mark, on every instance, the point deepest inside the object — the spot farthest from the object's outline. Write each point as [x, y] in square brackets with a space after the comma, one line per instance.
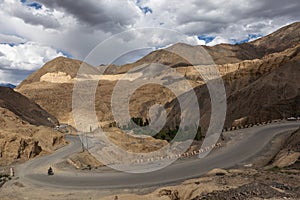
[50, 172]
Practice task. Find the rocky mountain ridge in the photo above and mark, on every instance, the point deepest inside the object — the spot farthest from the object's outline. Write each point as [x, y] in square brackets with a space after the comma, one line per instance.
[269, 65]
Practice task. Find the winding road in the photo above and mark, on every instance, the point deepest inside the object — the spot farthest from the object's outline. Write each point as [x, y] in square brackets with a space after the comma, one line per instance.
[258, 137]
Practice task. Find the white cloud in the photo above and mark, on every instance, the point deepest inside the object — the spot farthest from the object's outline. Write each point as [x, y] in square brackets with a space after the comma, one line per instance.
[218, 40]
[20, 60]
[193, 40]
[27, 56]
[228, 19]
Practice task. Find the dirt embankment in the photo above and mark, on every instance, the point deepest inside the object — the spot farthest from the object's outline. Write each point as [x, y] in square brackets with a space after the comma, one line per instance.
[26, 129]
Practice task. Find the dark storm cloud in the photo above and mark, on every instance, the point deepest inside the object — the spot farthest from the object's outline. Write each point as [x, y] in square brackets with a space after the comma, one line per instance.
[13, 76]
[202, 27]
[273, 8]
[23, 12]
[29, 18]
[107, 16]
[214, 16]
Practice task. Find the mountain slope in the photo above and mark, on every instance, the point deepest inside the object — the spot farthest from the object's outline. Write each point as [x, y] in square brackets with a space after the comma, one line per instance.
[25, 108]
[26, 129]
[265, 66]
[285, 38]
[59, 68]
[280, 40]
[273, 95]
[260, 90]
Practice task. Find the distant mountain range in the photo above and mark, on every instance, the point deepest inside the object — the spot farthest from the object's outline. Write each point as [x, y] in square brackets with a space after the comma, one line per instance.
[8, 85]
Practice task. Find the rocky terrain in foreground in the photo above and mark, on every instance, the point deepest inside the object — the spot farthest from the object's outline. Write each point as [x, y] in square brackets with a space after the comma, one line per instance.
[219, 184]
[278, 180]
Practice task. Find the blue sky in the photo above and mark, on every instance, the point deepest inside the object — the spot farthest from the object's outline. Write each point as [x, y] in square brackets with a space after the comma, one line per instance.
[32, 4]
[248, 39]
[34, 32]
[206, 38]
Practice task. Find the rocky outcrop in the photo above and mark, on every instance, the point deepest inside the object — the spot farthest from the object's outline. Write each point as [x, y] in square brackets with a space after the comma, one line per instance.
[57, 77]
[26, 129]
[258, 90]
[289, 153]
[15, 147]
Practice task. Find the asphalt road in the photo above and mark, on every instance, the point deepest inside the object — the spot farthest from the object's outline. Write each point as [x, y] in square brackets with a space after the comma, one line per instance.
[35, 170]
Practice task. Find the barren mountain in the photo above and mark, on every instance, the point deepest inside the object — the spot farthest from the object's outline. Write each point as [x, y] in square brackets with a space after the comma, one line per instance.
[60, 69]
[52, 87]
[260, 79]
[26, 129]
[278, 41]
[259, 90]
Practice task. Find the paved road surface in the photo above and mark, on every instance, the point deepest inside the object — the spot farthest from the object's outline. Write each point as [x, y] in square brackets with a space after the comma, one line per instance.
[35, 170]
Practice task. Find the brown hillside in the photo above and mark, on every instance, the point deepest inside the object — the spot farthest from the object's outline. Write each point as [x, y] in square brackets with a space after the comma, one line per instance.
[259, 90]
[24, 108]
[251, 71]
[26, 129]
[60, 64]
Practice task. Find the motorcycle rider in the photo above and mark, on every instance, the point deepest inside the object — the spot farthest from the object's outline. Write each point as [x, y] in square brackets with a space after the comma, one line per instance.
[50, 171]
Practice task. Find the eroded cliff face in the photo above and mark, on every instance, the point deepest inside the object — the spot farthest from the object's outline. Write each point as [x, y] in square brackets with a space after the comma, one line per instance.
[289, 154]
[257, 90]
[266, 91]
[20, 141]
[26, 129]
[18, 148]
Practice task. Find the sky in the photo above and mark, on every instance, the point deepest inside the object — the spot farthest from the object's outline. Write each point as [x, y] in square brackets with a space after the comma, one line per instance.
[35, 32]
